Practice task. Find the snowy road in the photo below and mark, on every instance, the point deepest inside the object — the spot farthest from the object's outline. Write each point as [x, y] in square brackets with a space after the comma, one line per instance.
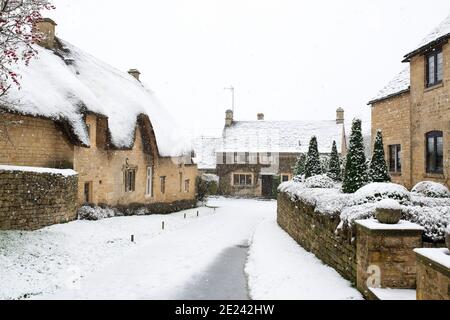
[235, 252]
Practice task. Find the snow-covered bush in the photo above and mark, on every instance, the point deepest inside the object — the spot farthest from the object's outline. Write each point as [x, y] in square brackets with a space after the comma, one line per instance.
[431, 190]
[376, 192]
[435, 220]
[320, 182]
[96, 213]
[299, 179]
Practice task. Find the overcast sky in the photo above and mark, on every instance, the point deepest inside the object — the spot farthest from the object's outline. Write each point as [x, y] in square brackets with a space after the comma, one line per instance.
[289, 59]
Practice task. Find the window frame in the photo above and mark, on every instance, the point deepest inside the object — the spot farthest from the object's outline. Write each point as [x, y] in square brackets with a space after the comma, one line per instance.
[434, 54]
[285, 175]
[395, 168]
[149, 182]
[246, 176]
[435, 135]
[187, 185]
[130, 180]
[162, 181]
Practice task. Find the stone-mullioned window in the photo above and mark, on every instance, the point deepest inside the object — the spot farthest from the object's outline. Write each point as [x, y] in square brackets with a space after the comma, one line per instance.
[435, 67]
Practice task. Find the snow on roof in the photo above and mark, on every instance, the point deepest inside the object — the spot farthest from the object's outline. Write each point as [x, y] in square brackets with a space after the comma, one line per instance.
[280, 136]
[401, 83]
[63, 172]
[205, 152]
[58, 84]
[440, 32]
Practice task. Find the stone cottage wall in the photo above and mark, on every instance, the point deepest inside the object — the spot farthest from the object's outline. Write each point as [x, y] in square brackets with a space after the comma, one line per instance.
[316, 233]
[30, 201]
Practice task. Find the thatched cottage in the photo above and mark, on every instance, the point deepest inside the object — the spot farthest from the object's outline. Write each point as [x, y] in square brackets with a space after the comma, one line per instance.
[75, 111]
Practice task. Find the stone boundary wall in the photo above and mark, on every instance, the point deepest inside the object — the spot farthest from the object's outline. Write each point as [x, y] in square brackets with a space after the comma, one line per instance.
[34, 200]
[317, 233]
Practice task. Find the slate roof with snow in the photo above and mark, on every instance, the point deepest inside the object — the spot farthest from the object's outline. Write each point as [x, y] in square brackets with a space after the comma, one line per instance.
[205, 152]
[60, 83]
[440, 33]
[400, 84]
[280, 136]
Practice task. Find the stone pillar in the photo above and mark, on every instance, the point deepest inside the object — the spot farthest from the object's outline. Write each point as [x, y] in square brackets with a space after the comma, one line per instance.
[433, 274]
[385, 255]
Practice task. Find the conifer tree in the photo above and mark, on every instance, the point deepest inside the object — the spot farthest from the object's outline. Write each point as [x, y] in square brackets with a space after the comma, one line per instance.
[299, 169]
[356, 166]
[378, 171]
[313, 166]
[334, 171]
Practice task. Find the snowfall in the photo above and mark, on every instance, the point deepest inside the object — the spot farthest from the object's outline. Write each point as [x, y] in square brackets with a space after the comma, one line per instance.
[229, 249]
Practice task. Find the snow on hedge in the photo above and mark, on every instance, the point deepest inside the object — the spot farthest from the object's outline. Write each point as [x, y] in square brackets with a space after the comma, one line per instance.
[431, 189]
[431, 213]
[60, 84]
[62, 172]
[320, 181]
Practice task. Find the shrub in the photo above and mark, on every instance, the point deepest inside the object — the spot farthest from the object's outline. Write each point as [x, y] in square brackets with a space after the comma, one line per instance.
[431, 190]
[320, 182]
[376, 192]
[94, 213]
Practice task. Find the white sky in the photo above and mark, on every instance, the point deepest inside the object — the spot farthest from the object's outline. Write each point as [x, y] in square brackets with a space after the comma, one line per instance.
[289, 59]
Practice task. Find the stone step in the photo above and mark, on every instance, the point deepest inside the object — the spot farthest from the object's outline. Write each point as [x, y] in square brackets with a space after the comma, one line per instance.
[393, 294]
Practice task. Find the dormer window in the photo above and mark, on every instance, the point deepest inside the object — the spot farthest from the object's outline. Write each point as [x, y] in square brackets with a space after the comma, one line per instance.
[435, 67]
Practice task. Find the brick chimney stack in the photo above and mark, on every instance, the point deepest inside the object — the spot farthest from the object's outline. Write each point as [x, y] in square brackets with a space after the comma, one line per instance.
[135, 73]
[47, 28]
[260, 116]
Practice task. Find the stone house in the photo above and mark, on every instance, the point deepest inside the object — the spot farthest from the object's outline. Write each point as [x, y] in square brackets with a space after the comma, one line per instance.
[413, 111]
[75, 111]
[251, 153]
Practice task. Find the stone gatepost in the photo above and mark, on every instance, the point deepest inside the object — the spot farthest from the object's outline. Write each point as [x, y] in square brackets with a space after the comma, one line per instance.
[433, 274]
[385, 255]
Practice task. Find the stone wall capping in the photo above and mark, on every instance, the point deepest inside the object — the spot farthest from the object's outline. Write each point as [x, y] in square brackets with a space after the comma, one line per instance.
[402, 228]
[437, 259]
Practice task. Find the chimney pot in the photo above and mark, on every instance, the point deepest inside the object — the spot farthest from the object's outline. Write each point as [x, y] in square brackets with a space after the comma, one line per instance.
[340, 116]
[229, 118]
[260, 116]
[46, 27]
[135, 73]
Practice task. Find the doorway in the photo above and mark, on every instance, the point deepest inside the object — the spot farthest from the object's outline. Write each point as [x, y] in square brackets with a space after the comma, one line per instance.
[267, 185]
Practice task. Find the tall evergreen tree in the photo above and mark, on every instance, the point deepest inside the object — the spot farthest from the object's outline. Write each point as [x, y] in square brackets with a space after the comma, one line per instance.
[334, 171]
[313, 166]
[356, 166]
[299, 169]
[378, 171]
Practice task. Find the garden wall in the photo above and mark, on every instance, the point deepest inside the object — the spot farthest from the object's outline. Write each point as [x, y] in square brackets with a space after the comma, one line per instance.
[33, 200]
[317, 233]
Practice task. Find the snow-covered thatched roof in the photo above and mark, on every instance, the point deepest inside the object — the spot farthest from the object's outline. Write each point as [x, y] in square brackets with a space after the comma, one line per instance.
[400, 84]
[439, 34]
[280, 136]
[65, 83]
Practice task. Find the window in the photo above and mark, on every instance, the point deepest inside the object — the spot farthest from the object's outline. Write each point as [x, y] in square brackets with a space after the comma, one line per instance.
[88, 127]
[187, 185]
[130, 180]
[88, 192]
[242, 179]
[181, 181]
[435, 67]
[163, 185]
[435, 152]
[395, 163]
[284, 178]
[149, 186]
[265, 158]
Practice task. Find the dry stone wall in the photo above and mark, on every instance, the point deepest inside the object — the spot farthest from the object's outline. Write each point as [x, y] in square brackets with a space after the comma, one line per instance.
[31, 200]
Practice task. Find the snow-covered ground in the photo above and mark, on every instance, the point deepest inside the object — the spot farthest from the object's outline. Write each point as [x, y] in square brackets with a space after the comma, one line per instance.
[96, 260]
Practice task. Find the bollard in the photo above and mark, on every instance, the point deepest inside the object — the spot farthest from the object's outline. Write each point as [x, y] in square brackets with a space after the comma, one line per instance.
[198, 214]
[132, 238]
[163, 225]
[185, 216]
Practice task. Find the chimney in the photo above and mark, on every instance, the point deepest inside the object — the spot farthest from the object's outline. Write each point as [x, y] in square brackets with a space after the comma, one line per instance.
[135, 73]
[46, 27]
[340, 116]
[260, 116]
[228, 118]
